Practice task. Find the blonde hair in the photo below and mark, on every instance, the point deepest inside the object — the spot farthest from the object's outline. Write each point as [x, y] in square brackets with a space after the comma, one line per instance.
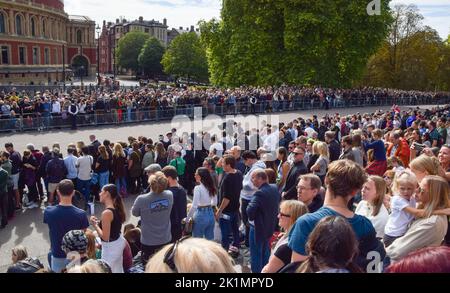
[193, 255]
[103, 153]
[377, 134]
[80, 145]
[371, 155]
[427, 164]
[91, 249]
[357, 132]
[118, 150]
[320, 148]
[438, 191]
[407, 176]
[89, 267]
[380, 187]
[295, 209]
[158, 182]
[20, 252]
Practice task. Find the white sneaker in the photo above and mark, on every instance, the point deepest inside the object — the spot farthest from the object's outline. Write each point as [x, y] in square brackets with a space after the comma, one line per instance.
[33, 206]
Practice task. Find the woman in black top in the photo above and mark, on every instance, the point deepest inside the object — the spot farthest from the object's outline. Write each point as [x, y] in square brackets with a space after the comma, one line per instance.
[290, 211]
[103, 165]
[110, 226]
[161, 155]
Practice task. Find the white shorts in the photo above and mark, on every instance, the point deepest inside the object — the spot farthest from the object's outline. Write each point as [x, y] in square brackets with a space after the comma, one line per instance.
[15, 179]
[52, 187]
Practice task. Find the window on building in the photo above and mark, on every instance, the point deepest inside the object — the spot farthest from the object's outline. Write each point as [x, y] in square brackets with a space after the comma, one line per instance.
[147, 30]
[44, 29]
[46, 56]
[55, 56]
[79, 37]
[33, 27]
[19, 25]
[2, 23]
[35, 56]
[5, 54]
[22, 55]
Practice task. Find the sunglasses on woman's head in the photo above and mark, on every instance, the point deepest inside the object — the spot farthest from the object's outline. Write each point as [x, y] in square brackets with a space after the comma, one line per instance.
[169, 257]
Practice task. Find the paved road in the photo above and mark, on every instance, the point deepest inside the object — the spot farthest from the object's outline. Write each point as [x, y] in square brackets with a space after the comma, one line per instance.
[27, 227]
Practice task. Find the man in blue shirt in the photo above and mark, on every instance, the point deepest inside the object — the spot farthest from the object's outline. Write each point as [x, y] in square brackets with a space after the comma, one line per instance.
[262, 212]
[62, 219]
[70, 162]
[344, 180]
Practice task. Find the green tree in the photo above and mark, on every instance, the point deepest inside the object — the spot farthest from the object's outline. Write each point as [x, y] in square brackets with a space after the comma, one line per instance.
[186, 58]
[262, 42]
[215, 40]
[413, 57]
[129, 48]
[150, 57]
[329, 42]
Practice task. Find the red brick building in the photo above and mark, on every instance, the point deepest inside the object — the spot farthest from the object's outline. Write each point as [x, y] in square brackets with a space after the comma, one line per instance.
[113, 32]
[37, 38]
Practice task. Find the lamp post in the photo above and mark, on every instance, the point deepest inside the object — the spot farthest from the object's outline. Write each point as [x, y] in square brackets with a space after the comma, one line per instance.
[81, 75]
[64, 68]
[98, 54]
[82, 67]
[114, 61]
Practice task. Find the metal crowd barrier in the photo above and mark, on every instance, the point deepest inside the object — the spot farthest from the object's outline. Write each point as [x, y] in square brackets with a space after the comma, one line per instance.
[32, 89]
[129, 116]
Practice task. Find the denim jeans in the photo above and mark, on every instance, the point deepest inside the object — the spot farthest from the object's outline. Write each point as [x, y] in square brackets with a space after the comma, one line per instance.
[121, 184]
[103, 179]
[58, 264]
[128, 114]
[204, 223]
[84, 186]
[230, 226]
[259, 252]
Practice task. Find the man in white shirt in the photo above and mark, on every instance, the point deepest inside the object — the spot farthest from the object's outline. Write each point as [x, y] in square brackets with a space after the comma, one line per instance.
[309, 130]
[84, 166]
[56, 107]
[271, 142]
[218, 147]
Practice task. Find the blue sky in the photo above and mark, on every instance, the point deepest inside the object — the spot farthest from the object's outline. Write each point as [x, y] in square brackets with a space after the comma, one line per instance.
[188, 12]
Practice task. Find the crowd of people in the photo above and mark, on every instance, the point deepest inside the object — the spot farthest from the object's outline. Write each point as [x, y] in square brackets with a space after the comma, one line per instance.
[336, 191]
[43, 110]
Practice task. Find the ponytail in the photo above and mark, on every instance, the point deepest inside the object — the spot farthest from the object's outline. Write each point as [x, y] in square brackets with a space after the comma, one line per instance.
[117, 201]
[118, 205]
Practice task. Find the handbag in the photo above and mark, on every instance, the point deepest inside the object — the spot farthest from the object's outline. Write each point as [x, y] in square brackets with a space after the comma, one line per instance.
[94, 179]
[187, 226]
